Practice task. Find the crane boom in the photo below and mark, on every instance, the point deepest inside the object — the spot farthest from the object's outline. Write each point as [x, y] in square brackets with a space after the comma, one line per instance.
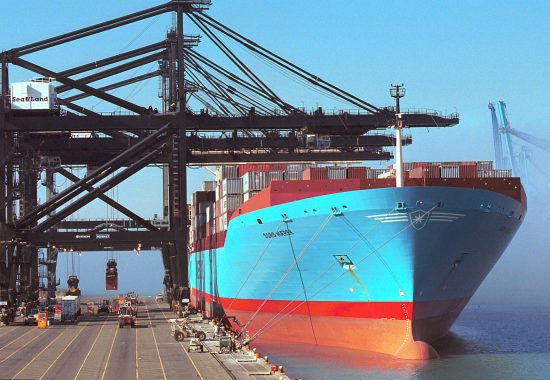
[500, 160]
[536, 141]
[506, 133]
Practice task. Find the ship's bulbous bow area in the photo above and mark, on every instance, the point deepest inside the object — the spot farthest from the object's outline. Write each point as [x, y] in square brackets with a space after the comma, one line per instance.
[417, 350]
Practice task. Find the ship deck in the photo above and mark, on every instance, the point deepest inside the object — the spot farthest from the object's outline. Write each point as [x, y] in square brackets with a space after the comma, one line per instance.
[96, 348]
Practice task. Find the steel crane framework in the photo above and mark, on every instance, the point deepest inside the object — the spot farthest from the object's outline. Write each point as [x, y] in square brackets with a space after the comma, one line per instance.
[242, 120]
[505, 140]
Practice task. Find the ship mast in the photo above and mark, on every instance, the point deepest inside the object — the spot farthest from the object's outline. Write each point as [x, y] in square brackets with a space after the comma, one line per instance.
[398, 91]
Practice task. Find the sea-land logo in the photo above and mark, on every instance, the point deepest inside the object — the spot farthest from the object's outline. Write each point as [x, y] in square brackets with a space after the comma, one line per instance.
[28, 99]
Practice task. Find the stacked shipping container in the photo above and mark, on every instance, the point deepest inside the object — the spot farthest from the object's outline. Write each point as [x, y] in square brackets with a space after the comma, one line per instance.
[202, 202]
[213, 207]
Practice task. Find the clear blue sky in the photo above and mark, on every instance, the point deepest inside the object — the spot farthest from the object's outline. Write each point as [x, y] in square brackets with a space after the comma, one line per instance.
[452, 57]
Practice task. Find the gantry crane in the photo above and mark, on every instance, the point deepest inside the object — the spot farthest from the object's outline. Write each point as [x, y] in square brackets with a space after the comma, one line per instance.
[242, 120]
[503, 133]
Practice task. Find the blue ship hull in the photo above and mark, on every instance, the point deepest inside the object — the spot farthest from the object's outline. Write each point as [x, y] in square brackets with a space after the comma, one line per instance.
[380, 269]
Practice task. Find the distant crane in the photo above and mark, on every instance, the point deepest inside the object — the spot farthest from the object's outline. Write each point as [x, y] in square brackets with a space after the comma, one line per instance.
[502, 139]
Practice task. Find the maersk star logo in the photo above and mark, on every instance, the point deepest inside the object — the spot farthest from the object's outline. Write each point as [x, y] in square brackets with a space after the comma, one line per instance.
[419, 219]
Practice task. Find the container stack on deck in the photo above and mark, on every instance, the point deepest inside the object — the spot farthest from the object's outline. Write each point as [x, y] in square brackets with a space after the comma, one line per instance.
[203, 202]
[238, 185]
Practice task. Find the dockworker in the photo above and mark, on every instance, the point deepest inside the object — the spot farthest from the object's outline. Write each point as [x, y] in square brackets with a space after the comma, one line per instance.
[216, 328]
[233, 346]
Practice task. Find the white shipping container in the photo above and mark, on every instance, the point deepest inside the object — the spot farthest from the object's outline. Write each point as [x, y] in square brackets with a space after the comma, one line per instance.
[484, 165]
[249, 194]
[407, 165]
[297, 167]
[371, 173]
[494, 173]
[376, 173]
[223, 222]
[212, 226]
[253, 181]
[450, 171]
[293, 176]
[336, 173]
[70, 307]
[231, 202]
[33, 96]
[231, 186]
[219, 224]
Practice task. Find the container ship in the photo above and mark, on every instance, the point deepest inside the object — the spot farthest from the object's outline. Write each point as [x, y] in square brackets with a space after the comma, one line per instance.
[341, 256]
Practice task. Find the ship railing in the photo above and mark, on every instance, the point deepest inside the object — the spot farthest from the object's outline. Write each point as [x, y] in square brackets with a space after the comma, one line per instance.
[424, 111]
[305, 111]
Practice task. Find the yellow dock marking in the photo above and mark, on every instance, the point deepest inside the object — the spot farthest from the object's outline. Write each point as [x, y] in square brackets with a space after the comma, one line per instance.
[89, 352]
[185, 351]
[110, 352]
[61, 353]
[23, 346]
[192, 362]
[40, 353]
[137, 365]
[156, 345]
[19, 337]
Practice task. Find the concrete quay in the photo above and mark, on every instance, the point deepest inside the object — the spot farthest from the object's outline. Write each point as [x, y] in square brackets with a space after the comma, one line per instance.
[96, 348]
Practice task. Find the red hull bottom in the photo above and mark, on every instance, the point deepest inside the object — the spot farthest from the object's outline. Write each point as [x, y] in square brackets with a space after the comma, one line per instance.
[388, 336]
[403, 330]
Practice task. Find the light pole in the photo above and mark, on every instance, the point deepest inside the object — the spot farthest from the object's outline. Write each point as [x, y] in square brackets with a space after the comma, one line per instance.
[398, 91]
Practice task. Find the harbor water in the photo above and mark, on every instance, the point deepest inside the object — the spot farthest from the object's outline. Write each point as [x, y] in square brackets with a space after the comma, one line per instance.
[486, 342]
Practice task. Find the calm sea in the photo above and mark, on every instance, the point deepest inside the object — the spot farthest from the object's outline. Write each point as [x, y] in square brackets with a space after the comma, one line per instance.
[486, 342]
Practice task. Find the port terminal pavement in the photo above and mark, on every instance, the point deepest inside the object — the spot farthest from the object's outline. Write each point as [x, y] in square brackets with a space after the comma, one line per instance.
[96, 348]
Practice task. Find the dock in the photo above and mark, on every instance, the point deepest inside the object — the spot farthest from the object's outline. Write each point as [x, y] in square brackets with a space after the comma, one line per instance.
[96, 348]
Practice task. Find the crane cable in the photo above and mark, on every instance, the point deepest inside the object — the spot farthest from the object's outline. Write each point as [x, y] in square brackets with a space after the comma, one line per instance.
[302, 282]
[339, 276]
[295, 262]
[146, 28]
[322, 274]
[370, 246]
[251, 271]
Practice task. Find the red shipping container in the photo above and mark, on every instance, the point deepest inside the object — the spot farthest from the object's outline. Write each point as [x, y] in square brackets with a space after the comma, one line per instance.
[468, 171]
[419, 164]
[111, 276]
[315, 173]
[245, 168]
[357, 172]
[288, 191]
[425, 172]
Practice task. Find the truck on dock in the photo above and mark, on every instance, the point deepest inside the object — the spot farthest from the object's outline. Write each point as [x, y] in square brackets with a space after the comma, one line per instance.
[127, 315]
[70, 308]
[31, 317]
[115, 305]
